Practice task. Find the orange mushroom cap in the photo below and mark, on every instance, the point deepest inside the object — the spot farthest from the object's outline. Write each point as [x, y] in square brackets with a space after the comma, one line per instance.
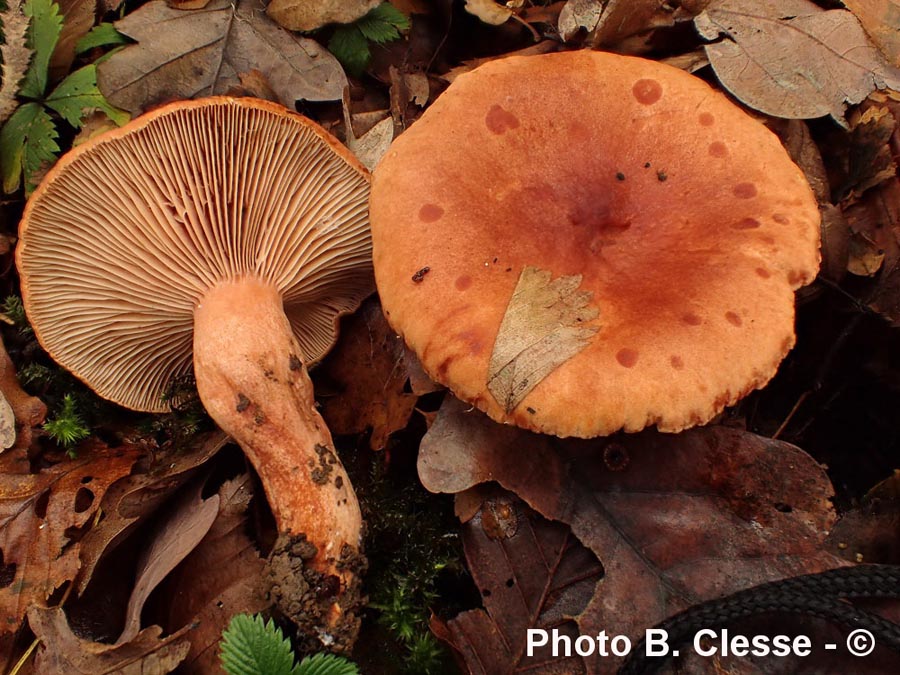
[128, 231]
[581, 242]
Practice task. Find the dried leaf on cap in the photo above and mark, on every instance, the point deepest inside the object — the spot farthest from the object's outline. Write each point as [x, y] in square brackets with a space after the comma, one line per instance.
[790, 58]
[187, 54]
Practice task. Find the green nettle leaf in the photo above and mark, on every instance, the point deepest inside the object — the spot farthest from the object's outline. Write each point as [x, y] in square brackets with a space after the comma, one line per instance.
[350, 44]
[101, 35]
[27, 141]
[351, 48]
[251, 646]
[383, 24]
[326, 664]
[78, 93]
[43, 33]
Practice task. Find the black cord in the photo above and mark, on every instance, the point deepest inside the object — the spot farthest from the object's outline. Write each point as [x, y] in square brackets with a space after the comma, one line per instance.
[821, 595]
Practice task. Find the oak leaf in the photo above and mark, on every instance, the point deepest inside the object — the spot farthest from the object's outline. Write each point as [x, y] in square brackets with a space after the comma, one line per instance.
[185, 54]
[40, 515]
[675, 520]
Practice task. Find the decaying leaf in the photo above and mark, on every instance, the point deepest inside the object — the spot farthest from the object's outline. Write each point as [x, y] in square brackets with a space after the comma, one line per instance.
[881, 19]
[64, 653]
[176, 535]
[15, 56]
[489, 11]
[579, 15]
[790, 58]
[870, 160]
[307, 15]
[624, 18]
[40, 516]
[221, 577]
[78, 19]
[543, 327]
[202, 52]
[25, 411]
[368, 367]
[532, 573]
[674, 519]
[135, 498]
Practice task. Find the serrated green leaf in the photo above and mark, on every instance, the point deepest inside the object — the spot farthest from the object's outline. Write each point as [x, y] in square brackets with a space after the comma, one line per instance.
[78, 94]
[43, 33]
[383, 24]
[251, 646]
[101, 35]
[326, 664]
[351, 48]
[27, 141]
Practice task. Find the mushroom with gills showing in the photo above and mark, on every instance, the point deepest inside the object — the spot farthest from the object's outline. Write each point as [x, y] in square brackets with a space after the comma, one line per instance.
[226, 235]
[610, 244]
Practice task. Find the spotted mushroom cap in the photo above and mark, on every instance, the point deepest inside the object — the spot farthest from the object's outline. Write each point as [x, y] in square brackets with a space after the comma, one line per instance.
[580, 242]
[127, 232]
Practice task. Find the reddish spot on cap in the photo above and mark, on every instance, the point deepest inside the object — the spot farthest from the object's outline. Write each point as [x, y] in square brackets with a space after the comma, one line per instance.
[794, 277]
[733, 318]
[718, 149]
[763, 272]
[745, 190]
[463, 282]
[430, 213]
[499, 120]
[647, 91]
[691, 319]
[627, 357]
[746, 224]
[677, 362]
[780, 218]
[706, 119]
[768, 239]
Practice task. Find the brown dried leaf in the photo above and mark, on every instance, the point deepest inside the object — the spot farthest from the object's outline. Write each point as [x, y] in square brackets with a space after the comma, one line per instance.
[78, 19]
[881, 19]
[307, 15]
[28, 411]
[39, 514]
[14, 55]
[624, 18]
[870, 161]
[368, 367]
[532, 573]
[579, 15]
[198, 53]
[175, 537]
[674, 519]
[64, 653]
[132, 500]
[222, 577]
[790, 58]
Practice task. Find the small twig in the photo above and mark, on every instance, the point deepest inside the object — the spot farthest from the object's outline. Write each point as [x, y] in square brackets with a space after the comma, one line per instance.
[791, 414]
[21, 662]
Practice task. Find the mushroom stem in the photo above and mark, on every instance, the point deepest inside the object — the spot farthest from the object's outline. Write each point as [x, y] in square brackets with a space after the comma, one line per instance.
[253, 382]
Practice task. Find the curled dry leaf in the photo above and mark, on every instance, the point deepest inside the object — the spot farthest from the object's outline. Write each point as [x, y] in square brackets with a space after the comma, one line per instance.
[532, 573]
[790, 58]
[64, 653]
[221, 577]
[39, 516]
[199, 53]
[368, 367]
[674, 519]
[624, 18]
[27, 411]
[135, 498]
[489, 11]
[307, 15]
[176, 535]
